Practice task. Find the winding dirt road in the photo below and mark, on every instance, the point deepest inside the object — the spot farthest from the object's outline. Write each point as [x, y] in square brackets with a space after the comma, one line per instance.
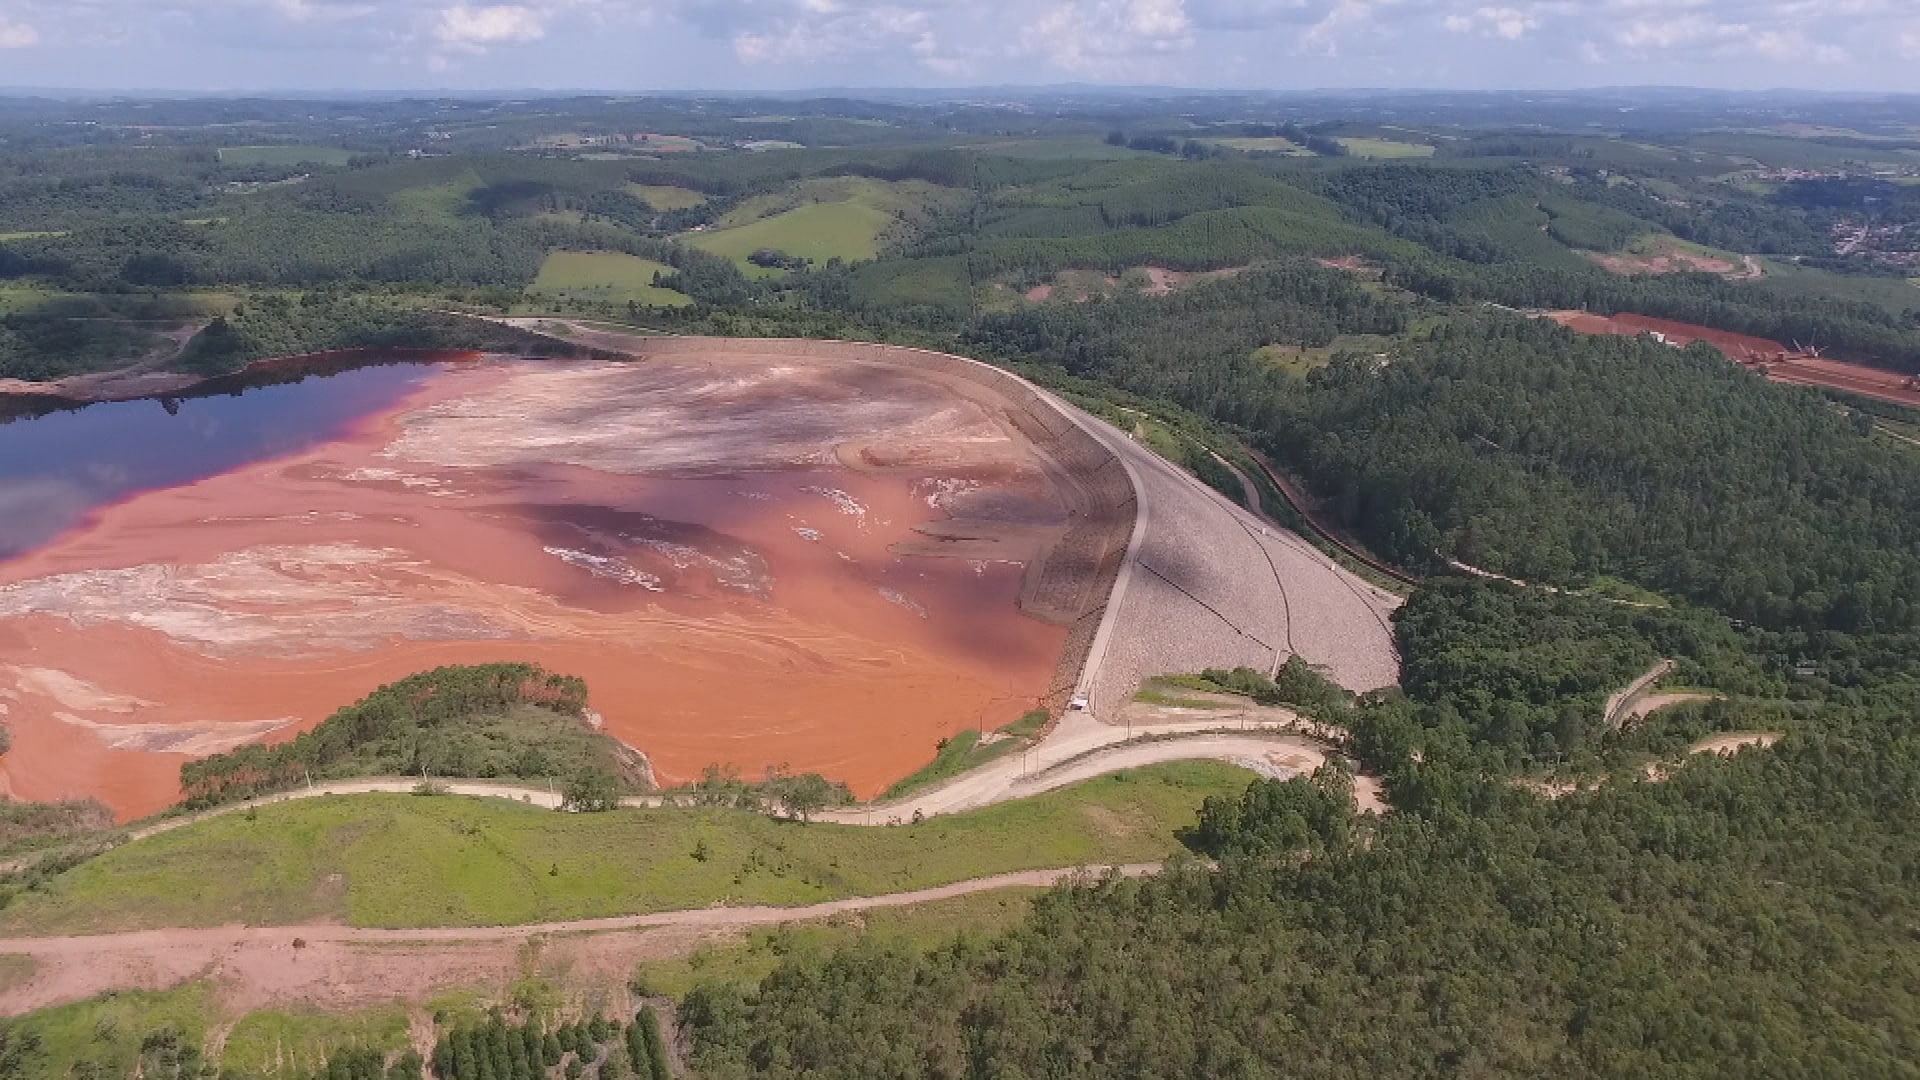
[332, 966]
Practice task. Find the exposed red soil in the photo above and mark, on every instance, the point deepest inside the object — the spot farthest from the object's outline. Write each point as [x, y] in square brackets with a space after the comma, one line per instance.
[747, 606]
[1770, 358]
[1669, 262]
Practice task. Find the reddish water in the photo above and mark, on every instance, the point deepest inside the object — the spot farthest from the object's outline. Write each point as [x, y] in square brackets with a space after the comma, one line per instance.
[747, 613]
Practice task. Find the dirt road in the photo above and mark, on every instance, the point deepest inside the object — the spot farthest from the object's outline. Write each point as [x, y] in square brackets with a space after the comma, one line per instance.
[331, 966]
[1620, 706]
[1081, 748]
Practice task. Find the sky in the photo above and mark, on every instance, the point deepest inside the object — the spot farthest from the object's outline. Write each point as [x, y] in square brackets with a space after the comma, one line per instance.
[746, 45]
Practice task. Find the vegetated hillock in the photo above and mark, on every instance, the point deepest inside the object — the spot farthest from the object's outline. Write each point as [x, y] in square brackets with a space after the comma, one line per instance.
[511, 721]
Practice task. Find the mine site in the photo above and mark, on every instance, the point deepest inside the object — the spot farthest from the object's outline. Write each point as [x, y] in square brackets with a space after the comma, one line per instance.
[1073, 580]
[799, 563]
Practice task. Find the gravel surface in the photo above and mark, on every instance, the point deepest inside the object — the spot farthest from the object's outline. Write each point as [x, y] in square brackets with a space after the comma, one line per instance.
[1214, 586]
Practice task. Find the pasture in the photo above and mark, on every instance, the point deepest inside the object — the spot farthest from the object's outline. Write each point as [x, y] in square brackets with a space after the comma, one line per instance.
[284, 155]
[607, 277]
[414, 861]
[665, 198]
[1384, 149]
[817, 232]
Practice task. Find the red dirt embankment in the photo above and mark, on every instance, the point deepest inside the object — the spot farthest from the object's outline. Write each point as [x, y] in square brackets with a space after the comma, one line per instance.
[686, 534]
[1772, 359]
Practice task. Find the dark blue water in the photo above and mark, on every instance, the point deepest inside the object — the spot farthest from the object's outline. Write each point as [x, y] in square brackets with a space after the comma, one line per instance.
[56, 468]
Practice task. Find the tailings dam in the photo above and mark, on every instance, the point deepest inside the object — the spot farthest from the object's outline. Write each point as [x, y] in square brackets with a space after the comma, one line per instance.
[754, 556]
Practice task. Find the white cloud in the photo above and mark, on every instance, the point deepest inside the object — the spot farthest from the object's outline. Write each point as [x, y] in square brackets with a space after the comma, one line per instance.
[323, 11]
[768, 43]
[1910, 43]
[17, 35]
[1508, 23]
[1108, 38]
[467, 27]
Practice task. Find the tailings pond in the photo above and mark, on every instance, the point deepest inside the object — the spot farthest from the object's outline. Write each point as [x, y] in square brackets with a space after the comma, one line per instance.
[734, 555]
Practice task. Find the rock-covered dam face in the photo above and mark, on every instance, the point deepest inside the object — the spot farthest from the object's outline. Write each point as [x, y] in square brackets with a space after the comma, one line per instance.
[814, 555]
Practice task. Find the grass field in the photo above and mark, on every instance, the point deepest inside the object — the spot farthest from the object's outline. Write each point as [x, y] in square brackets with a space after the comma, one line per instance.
[842, 217]
[1385, 148]
[1301, 361]
[664, 198]
[748, 960]
[960, 754]
[32, 234]
[819, 232]
[443, 201]
[102, 1037]
[1272, 144]
[284, 155]
[1896, 295]
[606, 276]
[294, 1045]
[406, 860]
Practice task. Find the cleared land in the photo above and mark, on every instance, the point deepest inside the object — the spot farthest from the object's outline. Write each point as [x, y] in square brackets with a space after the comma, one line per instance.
[664, 198]
[608, 276]
[284, 155]
[1661, 254]
[818, 233]
[840, 217]
[1384, 148]
[1768, 358]
[1270, 144]
[345, 967]
[406, 860]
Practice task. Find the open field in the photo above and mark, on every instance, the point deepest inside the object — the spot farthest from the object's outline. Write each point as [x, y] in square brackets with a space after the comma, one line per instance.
[817, 233]
[284, 155]
[405, 860]
[1271, 144]
[663, 197]
[609, 276]
[830, 218]
[1659, 253]
[293, 1044]
[1384, 148]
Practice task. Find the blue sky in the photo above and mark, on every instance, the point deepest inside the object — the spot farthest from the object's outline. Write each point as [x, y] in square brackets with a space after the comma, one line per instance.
[789, 44]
